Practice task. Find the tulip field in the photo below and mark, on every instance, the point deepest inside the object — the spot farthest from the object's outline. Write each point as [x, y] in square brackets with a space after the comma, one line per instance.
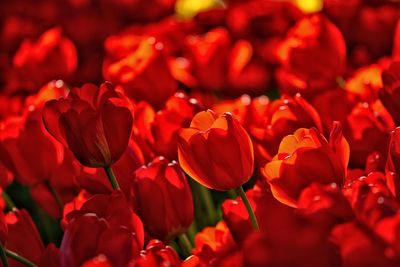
[200, 133]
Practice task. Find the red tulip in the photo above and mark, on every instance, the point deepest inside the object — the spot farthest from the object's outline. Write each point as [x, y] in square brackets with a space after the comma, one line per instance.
[365, 83]
[282, 117]
[367, 130]
[207, 55]
[23, 238]
[50, 257]
[250, 112]
[313, 55]
[213, 244]
[216, 151]
[104, 224]
[371, 198]
[158, 255]
[53, 56]
[27, 150]
[247, 73]
[98, 261]
[144, 115]
[85, 122]
[178, 112]
[262, 20]
[306, 157]
[162, 198]
[361, 246]
[133, 62]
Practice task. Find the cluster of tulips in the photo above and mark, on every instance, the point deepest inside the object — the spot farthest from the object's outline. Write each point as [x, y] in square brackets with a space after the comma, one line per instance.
[241, 133]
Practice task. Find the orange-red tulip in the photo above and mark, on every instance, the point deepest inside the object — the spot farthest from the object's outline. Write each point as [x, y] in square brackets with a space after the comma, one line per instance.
[306, 157]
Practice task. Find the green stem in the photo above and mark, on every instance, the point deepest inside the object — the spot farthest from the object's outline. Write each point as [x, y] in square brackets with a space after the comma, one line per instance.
[55, 194]
[3, 256]
[232, 194]
[9, 202]
[250, 211]
[191, 232]
[18, 258]
[111, 177]
[208, 201]
[184, 242]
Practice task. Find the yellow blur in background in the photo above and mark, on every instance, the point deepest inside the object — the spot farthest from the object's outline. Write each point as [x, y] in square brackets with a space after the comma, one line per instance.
[187, 9]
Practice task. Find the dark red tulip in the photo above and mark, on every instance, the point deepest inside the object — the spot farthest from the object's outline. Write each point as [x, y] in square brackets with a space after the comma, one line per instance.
[27, 149]
[85, 122]
[23, 238]
[162, 198]
[50, 257]
[104, 224]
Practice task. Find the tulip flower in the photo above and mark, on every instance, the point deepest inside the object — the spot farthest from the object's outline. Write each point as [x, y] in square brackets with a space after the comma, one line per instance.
[313, 55]
[27, 150]
[217, 152]
[367, 129]
[162, 198]
[106, 225]
[178, 112]
[306, 157]
[23, 243]
[52, 56]
[207, 54]
[158, 255]
[282, 117]
[132, 62]
[214, 243]
[94, 123]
